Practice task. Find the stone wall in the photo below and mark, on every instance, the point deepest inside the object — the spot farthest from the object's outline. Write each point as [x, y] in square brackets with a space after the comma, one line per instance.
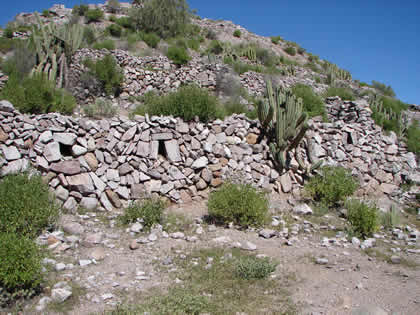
[107, 163]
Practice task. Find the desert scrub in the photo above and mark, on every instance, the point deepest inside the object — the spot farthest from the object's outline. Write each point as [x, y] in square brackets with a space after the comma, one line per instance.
[178, 55]
[107, 71]
[189, 101]
[363, 218]
[94, 15]
[147, 211]
[241, 204]
[237, 33]
[313, 105]
[333, 185]
[20, 268]
[108, 44]
[276, 39]
[114, 30]
[101, 108]
[343, 93]
[391, 218]
[413, 137]
[290, 50]
[27, 207]
[37, 95]
[252, 267]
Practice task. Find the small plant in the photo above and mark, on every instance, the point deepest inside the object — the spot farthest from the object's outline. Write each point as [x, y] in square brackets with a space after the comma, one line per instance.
[94, 15]
[6, 44]
[276, 39]
[313, 105]
[332, 186]
[148, 211]
[362, 217]
[46, 13]
[80, 10]
[8, 32]
[125, 22]
[301, 50]
[251, 267]
[188, 102]
[108, 44]
[392, 218]
[178, 55]
[239, 203]
[194, 44]
[237, 33]
[290, 50]
[114, 30]
[27, 206]
[344, 93]
[101, 108]
[108, 73]
[152, 40]
[413, 138]
[20, 268]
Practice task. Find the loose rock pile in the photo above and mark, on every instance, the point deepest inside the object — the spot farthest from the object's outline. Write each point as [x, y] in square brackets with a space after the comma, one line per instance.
[111, 162]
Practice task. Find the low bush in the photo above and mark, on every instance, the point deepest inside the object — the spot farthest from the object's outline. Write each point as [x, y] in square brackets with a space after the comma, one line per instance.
[234, 106]
[189, 101]
[106, 44]
[290, 50]
[301, 50]
[27, 206]
[114, 30]
[125, 22]
[94, 15]
[147, 211]
[215, 47]
[237, 33]
[393, 104]
[413, 137]
[251, 267]
[101, 108]
[20, 268]
[211, 34]
[333, 185]
[266, 57]
[37, 95]
[152, 40]
[80, 10]
[107, 71]
[343, 93]
[276, 39]
[194, 44]
[312, 103]
[6, 45]
[386, 90]
[46, 13]
[362, 217]
[89, 36]
[178, 55]
[22, 61]
[241, 204]
[8, 32]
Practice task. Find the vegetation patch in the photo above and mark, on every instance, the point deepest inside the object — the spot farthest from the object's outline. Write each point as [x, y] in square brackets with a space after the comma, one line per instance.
[188, 102]
[362, 217]
[252, 267]
[333, 185]
[27, 206]
[147, 211]
[344, 93]
[100, 108]
[313, 105]
[241, 204]
[94, 15]
[413, 138]
[178, 55]
[237, 33]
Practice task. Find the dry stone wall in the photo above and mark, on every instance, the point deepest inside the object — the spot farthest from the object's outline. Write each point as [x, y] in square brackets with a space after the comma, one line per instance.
[107, 163]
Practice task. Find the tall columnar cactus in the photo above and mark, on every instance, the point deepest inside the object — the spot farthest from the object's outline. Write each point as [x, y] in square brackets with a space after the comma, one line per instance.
[284, 122]
[334, 72]
[250, 52]
[55, 47]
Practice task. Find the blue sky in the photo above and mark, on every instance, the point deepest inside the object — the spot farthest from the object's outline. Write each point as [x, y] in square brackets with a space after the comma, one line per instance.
[374, 39]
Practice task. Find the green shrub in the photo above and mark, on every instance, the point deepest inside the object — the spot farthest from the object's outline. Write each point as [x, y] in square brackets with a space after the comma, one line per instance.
[113, 18]
[194, 44]
[166, 18]
[265, 57]
[20, 268]
[6, 45]
[94, 15]
[37, 95]
[211, 34]
[101, 108]
[125, 22]
[312, 103]
[152, 40]
[148, 211]
[392, 218]
[215, 47]
[362, 217]
[22, 61]
[108, 44]
[8, 32]
[251, 267]
[107, 71]
[332, 186]
[290, 50]
[234, 106]
[238, 203]
[89, 36]
[383, 88]
[301, 50]
[237, 33]
[46, 13]
[413, 137]
[343, 93]
[114, 30]
[114, 6]
[276, 39]
[189, 101]
[178, 55]
[27, 206]
[393, 104]
[80, 10]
